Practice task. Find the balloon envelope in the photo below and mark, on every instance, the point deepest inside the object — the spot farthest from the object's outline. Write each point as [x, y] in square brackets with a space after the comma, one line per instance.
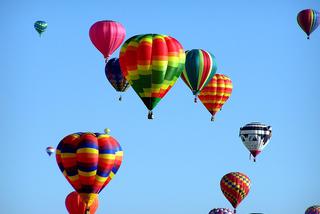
[107, 36]
[235, 186]
[255, 136]
[75, 205]
[308, 20]
[40, 26]
[216, 93]
[89, 161]
[115, 76]
[151, 63]
[313, 210]
[200, 67]
[221, 211]
[50, 150]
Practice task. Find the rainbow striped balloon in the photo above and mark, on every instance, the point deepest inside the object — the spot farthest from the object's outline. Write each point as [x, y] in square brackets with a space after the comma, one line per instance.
[200, 68]
[308, 20]
[216, 93]
[313, 210]
[235, 186]
[89, 161]
[151, 63]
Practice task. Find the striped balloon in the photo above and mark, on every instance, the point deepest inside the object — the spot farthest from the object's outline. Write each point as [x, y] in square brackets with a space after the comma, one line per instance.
[221, 211]
[308, 20]
[216, 93]
[235, 186]
[40, 26]
[75, 205]
[107, 36]
[151, 63]
[255, 136]
[89, 161]
[115, 76]
[313, 210]
[200, 68]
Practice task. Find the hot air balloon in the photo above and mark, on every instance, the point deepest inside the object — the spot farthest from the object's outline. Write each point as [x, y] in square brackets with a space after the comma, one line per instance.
[75, 205]
[216, 93]
[151, 63]
[221, 211]
[50, 150]
[115, 76]
[313, 210]
[40, 26]
[255, 136]
[107, 36]
[89, 161]
[308, 20]
[235, 186]
[200, 67]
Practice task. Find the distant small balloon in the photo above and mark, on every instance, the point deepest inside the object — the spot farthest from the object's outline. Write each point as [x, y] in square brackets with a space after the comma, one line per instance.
[221, 211]
[50, 150]
[40, 26]
[308, 20]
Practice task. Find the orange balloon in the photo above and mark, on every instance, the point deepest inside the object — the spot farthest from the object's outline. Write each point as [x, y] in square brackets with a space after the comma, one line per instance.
[75, 205]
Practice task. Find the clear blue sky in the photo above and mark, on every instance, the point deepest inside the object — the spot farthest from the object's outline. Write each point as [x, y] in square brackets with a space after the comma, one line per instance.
[55, 85]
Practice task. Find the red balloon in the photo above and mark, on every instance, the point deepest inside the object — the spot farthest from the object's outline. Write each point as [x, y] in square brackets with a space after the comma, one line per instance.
[75, 205]
[107, 36]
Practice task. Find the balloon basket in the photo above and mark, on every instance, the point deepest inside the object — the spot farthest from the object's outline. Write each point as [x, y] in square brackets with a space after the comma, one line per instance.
[150, 115]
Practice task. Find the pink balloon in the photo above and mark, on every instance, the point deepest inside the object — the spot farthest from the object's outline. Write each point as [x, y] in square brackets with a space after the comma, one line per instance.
[107, 36]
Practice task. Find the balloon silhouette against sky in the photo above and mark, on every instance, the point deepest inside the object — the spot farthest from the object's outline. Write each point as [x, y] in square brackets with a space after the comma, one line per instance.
[107, 36]
[308, 20]
[216, 93]
[151, 63]
[89, 161]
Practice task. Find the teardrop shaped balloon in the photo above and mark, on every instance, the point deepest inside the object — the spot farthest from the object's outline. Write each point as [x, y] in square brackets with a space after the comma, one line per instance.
[235, 186]
[40, 26]
[89, 161]
[107, 36]
[308, 20]
[75, 205]
[313, 210]
[200, 67]
[151, 63]
[221, 211]
[115, 76]
[255, 136]
[216, 93]
[50, 150]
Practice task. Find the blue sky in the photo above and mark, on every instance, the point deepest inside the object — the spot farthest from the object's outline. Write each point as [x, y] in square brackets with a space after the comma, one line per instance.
[55, 85]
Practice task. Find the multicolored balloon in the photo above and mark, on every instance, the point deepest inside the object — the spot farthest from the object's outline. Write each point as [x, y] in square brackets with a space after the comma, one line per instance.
[200, 67]
[221, 211]
[308, 20]
[313, 210]
[89, 161]
[40, 26]
[50, 150]
[107, 36]
[216, 93]
[255, 136]
[75, 205]
[151, 63]
[115, 76]
[235, 186]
